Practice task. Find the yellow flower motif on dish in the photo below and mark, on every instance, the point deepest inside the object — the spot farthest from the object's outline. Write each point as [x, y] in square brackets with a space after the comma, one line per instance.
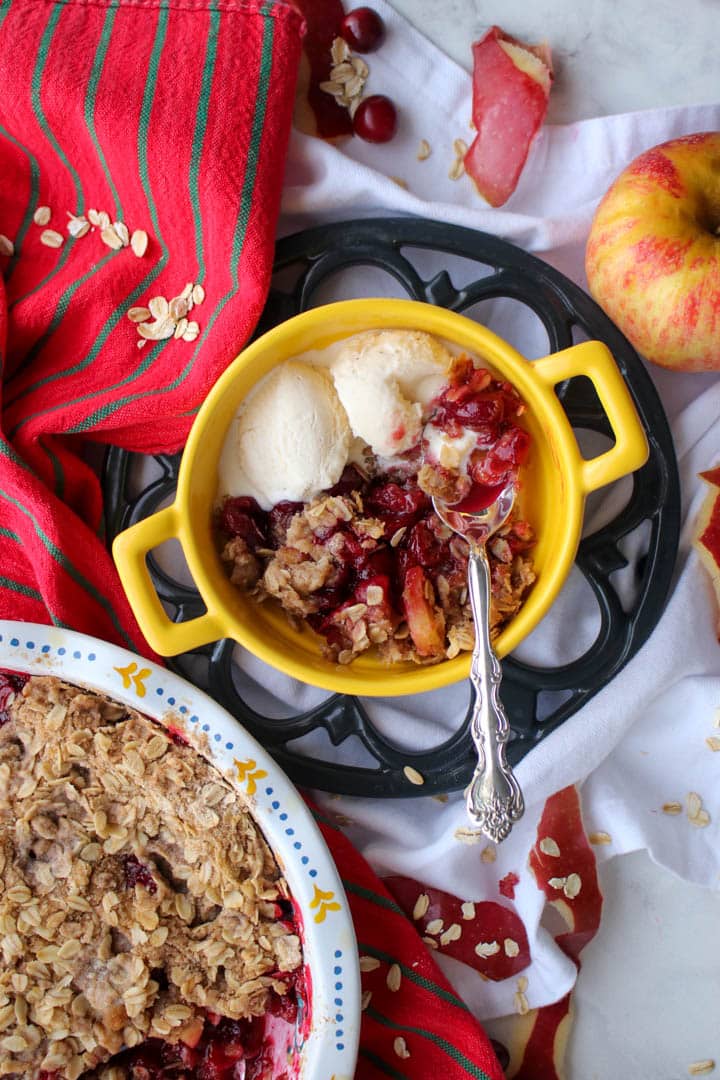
[248, 772]
[132, 677]
[324, 902]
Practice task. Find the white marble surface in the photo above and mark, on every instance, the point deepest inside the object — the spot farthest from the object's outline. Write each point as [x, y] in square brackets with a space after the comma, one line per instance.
[646, 1000]
[610, 56]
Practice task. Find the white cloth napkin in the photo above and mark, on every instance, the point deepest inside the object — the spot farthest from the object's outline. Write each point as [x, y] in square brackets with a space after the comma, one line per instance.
[640, 743]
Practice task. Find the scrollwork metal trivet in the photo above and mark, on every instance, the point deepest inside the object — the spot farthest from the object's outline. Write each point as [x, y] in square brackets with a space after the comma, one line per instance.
[564, 310]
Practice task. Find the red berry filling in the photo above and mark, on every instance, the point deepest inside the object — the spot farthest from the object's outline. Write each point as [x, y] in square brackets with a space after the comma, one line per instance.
[137, 873]
[224, 1050]
[11, 684]
[243, 517]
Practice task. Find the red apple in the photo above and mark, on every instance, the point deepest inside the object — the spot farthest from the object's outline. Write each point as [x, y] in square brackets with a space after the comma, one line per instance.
[653, 254]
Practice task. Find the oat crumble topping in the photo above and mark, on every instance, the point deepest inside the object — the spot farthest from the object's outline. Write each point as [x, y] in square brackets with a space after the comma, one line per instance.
[136, 892]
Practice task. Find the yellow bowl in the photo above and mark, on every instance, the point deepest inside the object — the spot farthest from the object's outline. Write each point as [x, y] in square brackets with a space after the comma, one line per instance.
[555, 483]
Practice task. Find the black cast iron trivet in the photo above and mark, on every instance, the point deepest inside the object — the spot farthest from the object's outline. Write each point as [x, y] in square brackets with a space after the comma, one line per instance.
[537, 699]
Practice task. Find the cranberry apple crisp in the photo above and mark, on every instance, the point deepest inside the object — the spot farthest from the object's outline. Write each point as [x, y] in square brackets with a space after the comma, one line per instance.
[145, 929]
[368, 562]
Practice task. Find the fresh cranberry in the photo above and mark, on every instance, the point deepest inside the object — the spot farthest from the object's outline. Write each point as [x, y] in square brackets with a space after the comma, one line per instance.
[137, 873]
[243, 517]
[10, 684]
[375, 119]
[363, 29]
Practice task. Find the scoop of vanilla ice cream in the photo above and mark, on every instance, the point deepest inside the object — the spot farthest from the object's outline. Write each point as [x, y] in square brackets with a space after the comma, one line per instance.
[385, 379]
[290, 439]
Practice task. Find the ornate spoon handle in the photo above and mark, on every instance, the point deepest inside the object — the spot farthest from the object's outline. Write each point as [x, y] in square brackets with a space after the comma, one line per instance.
[494, 799]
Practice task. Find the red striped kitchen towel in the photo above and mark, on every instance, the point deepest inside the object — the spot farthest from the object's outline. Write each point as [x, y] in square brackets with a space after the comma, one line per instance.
[171, 118]
[414, 1026]
[123, 121]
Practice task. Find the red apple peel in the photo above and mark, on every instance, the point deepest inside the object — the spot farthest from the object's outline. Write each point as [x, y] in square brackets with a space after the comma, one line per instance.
[511, 86]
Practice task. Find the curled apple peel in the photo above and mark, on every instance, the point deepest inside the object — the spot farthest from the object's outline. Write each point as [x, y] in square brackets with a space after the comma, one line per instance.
[511, 87]
[707, 532]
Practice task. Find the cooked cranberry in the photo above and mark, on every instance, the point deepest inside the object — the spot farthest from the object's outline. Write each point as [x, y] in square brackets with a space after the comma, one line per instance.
[220, 1055]
[243, 517]
[353, 550]
[404, 562]
[375, 119]
[285, 1006]
[397, 506]
[280, 517]
[325, 624]
[330, 599]
[10, 684]
[245, 1036]
[177, 737]
[283, 908]
[363, 29]
[423, 546]
[483, 413]
[137, 873]
[521, 537]
[478, 498]
[502, 460]
[351, 480]
[378, 562]
[225, 1050]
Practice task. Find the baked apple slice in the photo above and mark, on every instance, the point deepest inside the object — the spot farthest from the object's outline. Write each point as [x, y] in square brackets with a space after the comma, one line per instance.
[425, 620]
[511, 86]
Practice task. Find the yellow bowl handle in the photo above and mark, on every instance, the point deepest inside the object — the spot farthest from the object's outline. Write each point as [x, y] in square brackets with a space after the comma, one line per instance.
[130, 550]
[595, 360]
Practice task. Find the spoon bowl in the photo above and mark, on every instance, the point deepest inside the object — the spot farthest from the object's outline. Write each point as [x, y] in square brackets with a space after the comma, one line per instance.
[477, 525]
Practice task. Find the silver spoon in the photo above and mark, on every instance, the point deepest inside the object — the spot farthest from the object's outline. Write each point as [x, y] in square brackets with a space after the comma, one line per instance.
[494, 800]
